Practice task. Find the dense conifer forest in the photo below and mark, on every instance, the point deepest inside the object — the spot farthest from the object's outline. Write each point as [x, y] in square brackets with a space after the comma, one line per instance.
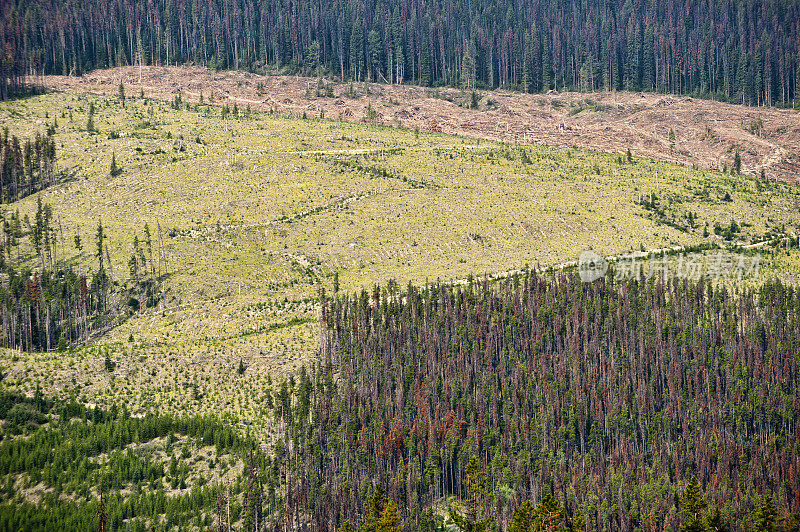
[608, 397]
[743, 51]
[537, 403]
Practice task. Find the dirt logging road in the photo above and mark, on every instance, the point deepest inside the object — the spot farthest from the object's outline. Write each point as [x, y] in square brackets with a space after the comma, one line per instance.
[685, 130]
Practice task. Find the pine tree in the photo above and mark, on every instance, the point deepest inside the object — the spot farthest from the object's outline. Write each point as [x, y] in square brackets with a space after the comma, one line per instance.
[468, 67]
[549, 515]
[356, 50]
[380, 514]
[765, 518]
[632, 71]
[390, 519]
[114, 170]
[577, 523]
[374, 54]
[425, 63]
[716, 522]
[742, 76]
[523, 518]
[547, 63]
[528, 75]
[100, 239]
[473, 519]
[693, 508]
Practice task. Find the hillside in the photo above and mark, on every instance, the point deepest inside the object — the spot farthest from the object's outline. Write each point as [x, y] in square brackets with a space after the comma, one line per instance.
[610, 396]
[407, 266]
[254, 218]
[252, 214]
[683, 130]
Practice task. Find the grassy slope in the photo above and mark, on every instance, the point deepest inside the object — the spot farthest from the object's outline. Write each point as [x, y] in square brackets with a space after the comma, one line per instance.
[259, 214]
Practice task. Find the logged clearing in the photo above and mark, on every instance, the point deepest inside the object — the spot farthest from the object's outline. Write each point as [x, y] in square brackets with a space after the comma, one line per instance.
[684, 130]
[254, 212]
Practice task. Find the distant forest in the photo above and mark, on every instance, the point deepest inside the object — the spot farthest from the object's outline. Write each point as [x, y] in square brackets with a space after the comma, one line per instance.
[745, 51]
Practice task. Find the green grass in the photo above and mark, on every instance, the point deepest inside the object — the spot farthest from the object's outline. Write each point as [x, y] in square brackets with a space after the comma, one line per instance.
[258, 216]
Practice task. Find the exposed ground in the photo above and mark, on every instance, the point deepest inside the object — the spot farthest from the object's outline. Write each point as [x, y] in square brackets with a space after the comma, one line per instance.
[706, 133]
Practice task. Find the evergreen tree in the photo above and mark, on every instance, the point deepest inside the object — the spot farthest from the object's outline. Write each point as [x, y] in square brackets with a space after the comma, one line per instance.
[380, 514]
[356, 50]
[100, 240]
[765, 518]
[374, 54]
[716, 521]
[90, 120]
[737, 163]
[114, 170]
[524, 518]
[693, 508]
[474, 518]
[549, 515]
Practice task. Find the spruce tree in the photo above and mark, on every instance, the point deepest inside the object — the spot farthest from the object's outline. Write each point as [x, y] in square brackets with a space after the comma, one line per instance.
[716, 521]
[693, 508]
[474, 518]
[523, 518]
[114, 170]
[765, 518]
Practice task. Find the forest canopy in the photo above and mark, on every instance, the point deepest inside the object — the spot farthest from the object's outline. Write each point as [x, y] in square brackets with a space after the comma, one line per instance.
[606, 396]
[746, 51]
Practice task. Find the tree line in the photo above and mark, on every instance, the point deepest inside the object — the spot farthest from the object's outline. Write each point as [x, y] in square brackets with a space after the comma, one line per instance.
[746, 51]
[26, 167]
[46, 303]
[607, 397]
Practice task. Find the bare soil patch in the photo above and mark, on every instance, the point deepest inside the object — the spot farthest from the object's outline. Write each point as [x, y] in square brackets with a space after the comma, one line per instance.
[685, 130]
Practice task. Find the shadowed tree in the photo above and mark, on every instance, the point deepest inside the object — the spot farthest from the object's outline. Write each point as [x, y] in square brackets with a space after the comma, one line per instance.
[473, 519]
[717, 522]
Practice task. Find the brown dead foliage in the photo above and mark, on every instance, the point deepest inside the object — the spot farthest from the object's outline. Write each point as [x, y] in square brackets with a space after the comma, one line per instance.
[707, 134]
